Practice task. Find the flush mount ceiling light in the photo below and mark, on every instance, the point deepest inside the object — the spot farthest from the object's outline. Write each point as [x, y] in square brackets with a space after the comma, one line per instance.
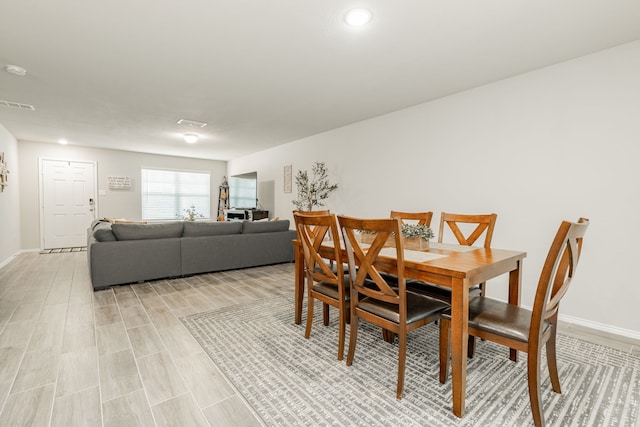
[358, 17]
[190, 138]
[191, 123]
[15, 70]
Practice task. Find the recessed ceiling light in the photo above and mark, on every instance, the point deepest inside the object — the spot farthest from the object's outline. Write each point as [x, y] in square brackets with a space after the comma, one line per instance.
[191, 138]
[358, 17]
[63, 141]
[15, 70]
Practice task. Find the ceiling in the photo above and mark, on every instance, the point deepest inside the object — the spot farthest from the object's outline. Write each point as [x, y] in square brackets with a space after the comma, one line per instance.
[120, 74]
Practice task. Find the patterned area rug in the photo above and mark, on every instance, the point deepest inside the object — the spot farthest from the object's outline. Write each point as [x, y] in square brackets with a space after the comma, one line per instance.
[292, 381]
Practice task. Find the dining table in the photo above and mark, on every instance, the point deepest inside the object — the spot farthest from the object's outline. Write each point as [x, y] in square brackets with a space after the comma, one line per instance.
[453, 266]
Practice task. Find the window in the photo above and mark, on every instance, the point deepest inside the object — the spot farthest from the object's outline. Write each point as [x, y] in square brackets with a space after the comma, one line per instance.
[167, 194]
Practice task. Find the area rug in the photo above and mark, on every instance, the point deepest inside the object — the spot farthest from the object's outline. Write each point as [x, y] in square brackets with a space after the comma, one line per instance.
[292, 381]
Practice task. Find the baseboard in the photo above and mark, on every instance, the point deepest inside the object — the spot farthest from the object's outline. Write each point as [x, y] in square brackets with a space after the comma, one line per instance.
[11, 257]
[613, 330]
[26, 251]
[8, 260]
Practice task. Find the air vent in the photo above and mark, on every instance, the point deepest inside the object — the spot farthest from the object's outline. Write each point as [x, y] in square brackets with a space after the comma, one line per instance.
[17, 105]
[191, 123]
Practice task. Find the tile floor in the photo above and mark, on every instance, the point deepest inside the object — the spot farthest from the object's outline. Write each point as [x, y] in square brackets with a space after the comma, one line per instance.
[120, 357]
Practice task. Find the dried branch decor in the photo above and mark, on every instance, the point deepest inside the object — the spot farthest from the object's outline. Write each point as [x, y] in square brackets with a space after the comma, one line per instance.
[312, 192]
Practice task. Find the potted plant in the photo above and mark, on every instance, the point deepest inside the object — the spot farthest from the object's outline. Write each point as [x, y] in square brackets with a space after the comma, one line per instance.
[192, 214]
[416, 236]
[312, 192]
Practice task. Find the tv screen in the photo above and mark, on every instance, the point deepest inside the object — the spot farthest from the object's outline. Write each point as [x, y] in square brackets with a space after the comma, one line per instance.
[243, 191]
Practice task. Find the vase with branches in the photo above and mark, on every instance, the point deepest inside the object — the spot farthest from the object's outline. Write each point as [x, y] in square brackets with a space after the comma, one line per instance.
[312, 191]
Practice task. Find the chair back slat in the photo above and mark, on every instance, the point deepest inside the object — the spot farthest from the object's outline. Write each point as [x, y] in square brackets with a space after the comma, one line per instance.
[557, 272]
[484, 225]
[366, 279]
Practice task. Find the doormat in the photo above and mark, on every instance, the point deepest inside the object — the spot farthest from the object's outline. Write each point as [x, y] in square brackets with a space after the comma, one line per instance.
[63, 250]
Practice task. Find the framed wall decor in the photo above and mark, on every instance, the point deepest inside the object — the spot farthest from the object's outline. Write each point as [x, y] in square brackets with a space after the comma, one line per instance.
[287, 178]
[4, 172]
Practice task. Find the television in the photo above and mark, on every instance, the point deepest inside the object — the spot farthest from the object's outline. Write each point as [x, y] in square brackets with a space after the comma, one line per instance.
[243, 191]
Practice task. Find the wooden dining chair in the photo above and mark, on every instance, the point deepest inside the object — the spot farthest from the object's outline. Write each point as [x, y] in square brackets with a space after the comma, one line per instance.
[467, 230]
[421, 218]
[483, 224]
[375, 300]
[522, 329]
[474, 226]
[324, 282]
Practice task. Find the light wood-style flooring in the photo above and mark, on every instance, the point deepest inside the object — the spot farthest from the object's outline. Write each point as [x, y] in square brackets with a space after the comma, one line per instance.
[121, 357]
[118, 357]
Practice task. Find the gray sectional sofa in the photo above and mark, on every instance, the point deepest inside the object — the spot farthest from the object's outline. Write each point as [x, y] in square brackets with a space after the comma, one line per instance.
[129, 253]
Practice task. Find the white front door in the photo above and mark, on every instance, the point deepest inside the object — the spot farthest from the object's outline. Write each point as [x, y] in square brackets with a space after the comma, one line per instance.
[68, 202]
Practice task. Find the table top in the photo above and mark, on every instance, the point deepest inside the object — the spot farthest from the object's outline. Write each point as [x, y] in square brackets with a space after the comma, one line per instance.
[443, 261]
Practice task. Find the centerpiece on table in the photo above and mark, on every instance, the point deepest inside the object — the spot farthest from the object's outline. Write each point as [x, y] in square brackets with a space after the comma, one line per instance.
[414, 236]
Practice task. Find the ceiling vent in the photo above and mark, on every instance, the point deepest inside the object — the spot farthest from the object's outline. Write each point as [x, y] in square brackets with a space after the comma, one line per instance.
[191, 123]
[17, 105]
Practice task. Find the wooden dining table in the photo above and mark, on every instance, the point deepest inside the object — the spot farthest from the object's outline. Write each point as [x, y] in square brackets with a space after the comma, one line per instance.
[453, 266]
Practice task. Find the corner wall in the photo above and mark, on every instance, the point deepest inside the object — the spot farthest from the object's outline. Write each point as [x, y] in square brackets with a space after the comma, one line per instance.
[115, 203]
[9, 200]
[553, 144]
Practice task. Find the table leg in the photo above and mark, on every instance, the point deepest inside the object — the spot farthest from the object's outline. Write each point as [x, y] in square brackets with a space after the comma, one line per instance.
[299, 281]
[459, 343]
[515, 282]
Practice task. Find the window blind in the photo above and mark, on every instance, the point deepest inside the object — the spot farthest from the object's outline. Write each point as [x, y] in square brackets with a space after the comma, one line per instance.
[166, 195]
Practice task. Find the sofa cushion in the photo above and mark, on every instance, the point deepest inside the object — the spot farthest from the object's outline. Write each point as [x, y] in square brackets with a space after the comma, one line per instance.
[147, 231]
[265, 227]
[209, 228]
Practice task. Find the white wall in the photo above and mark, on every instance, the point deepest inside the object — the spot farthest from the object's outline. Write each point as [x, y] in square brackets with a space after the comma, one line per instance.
[553, 144]
[116, 203]
[9, 200]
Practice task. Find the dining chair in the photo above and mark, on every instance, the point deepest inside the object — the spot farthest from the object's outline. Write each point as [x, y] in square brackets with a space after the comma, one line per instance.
[473, 227]
[375, 300]
[324, 283]
[421, 218]
[466, 229]
[522, 329]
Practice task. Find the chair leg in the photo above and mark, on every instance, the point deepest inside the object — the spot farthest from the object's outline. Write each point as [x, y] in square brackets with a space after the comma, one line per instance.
[444, 350]
[533, 375]
[310, 303]
[471, 347]
[388, 336]
[341, 331]
[552, 362]
[325, 314]
[402, 361]
[353, 335]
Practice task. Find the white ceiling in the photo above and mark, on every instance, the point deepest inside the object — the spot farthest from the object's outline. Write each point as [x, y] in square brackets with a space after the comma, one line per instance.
[120, 74]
